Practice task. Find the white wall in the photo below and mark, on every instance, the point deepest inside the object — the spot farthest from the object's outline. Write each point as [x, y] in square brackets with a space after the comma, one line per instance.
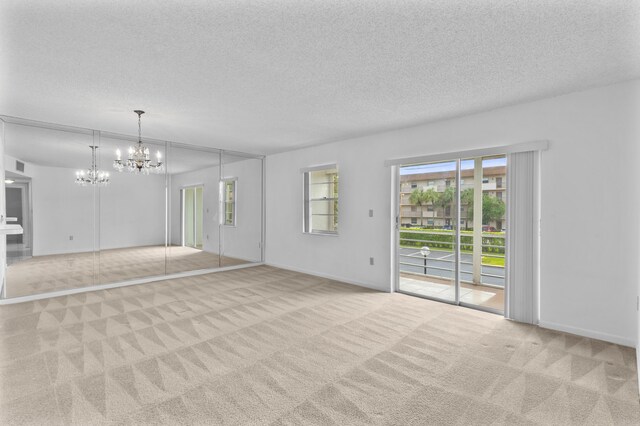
[241, 241]
[61, 209]
[131, 211]
[590, 202]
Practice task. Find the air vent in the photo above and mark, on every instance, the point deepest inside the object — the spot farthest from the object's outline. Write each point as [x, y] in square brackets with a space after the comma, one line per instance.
[20, 166]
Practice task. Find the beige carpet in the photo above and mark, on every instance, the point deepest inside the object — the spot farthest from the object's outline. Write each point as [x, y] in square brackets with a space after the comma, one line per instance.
[267, 346]
[44, 274]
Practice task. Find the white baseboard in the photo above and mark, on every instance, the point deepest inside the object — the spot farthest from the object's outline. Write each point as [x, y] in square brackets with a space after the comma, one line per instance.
[328, 276]
[612, 338]
[68, 292]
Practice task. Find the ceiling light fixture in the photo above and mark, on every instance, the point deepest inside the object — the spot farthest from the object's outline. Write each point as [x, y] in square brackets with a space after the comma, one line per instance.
[138, 160]
[92, 176]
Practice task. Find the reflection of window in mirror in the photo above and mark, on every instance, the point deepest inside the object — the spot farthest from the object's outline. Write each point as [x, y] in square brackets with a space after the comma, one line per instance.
[230, 201]
[321, 200]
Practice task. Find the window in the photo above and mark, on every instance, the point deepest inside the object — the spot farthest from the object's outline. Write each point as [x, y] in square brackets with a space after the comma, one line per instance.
[485, 180]
[321, 200]
[430, 208]
[414, 221]
[414, 208]
[498, 182]
[229, 187]
[414, 185]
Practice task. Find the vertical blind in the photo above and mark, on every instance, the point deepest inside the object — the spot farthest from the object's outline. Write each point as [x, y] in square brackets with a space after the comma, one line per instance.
[523, 232]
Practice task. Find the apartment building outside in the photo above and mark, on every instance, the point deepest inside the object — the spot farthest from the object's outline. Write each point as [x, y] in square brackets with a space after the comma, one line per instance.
[434, 216]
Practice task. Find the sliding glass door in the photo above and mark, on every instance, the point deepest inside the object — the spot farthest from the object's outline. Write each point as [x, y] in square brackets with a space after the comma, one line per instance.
[451, 231]
[428, 249]
[192, 217]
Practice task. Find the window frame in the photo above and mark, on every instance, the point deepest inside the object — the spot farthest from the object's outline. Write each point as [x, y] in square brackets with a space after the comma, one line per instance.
[224, 181]
[307, 223]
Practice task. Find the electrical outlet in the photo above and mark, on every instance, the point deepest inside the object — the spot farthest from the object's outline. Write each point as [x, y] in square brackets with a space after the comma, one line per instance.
[371, 261]
[370, 212]
[70, 237]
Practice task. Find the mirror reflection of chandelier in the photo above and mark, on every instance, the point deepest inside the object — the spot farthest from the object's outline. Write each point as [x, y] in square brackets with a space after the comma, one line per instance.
[138, 160]
[92, 176]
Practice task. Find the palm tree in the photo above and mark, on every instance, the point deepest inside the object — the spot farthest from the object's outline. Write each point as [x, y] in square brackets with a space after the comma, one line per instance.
[417, 198]
[445, 199]
[431, 196]
[466, 198]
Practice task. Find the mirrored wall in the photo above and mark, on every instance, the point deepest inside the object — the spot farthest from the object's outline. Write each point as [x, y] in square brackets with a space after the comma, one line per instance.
[90, 217]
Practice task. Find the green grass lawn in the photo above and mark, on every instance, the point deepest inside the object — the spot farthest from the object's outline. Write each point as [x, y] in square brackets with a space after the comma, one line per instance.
[493, 261]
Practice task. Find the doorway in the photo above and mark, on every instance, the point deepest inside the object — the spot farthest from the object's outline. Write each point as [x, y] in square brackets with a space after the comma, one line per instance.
[192, 216]
[18, 211]
[451, 228]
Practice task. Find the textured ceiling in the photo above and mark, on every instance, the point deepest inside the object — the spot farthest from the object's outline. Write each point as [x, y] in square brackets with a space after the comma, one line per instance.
[267, 76]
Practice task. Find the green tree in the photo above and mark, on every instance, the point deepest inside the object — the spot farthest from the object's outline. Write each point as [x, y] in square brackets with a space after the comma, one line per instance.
[445, 199]
[466, 198]
[417, 198]
[421, 198]
[492, 209]
[431, 197]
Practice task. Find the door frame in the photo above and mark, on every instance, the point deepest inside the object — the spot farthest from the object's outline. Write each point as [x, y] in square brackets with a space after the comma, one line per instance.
[395, 232]
[25, 187]
[182, 215]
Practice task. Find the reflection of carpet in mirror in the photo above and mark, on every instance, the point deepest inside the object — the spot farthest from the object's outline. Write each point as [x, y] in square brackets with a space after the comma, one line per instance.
[42, 274]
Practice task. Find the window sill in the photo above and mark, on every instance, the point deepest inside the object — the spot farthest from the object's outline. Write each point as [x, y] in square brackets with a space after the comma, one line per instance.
[323, 234]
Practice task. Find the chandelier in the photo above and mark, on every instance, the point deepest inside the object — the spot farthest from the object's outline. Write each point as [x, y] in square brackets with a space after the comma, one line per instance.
[92, 176]
[138, 160]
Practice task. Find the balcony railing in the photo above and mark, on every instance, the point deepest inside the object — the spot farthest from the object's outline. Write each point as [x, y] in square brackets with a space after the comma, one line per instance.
[440, 263]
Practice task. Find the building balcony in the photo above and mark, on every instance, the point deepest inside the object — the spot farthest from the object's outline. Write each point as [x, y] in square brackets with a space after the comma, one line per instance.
[433, 275]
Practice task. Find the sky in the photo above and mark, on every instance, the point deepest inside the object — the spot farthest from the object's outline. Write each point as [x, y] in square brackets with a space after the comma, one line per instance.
[450, 166]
